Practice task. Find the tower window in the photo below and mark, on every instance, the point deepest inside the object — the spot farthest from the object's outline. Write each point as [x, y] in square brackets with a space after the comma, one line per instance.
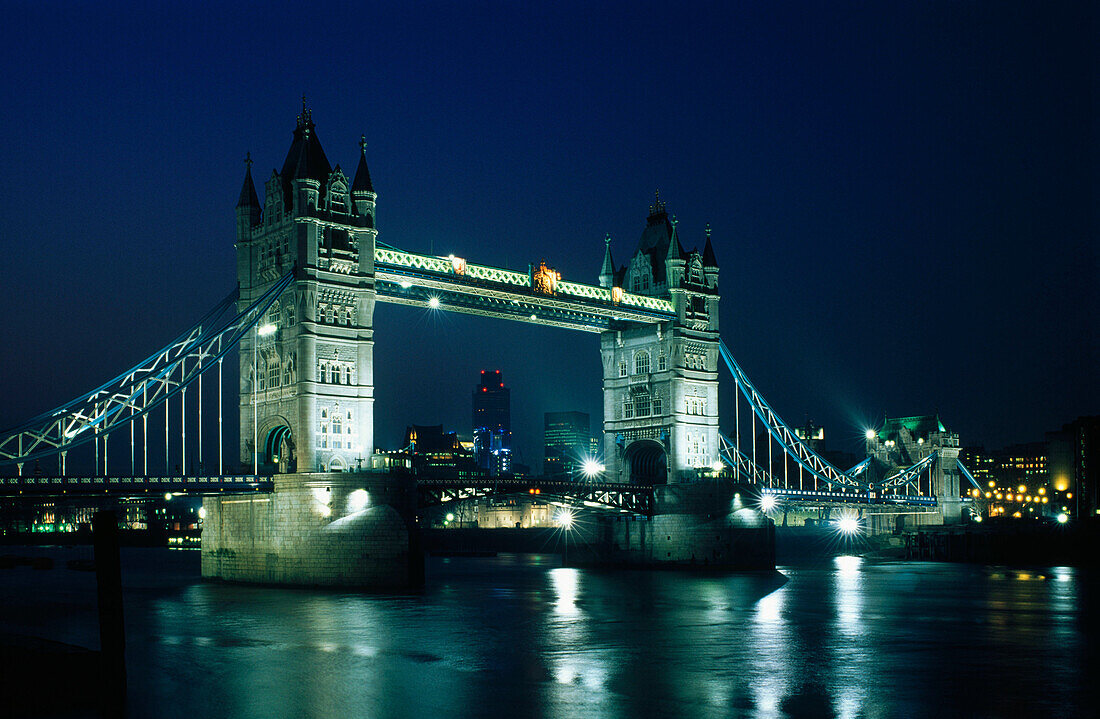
[662, 362]
[622, 369]
[641, 363]
[628, 409]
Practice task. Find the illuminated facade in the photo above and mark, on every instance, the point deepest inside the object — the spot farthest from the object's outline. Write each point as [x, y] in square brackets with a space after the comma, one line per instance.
[661, 380]
[309, 364]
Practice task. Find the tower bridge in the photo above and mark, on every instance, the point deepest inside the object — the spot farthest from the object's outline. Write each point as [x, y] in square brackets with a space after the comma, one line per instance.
[311, 270]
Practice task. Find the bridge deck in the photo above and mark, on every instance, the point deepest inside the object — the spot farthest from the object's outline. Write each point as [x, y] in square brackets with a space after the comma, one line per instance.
[418, 280]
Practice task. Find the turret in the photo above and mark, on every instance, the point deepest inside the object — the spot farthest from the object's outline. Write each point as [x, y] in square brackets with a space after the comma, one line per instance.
[248, 206]
[362, 190]
[710, 264]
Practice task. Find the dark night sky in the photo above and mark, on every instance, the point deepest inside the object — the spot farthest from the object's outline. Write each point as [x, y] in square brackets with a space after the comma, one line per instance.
[904, 200]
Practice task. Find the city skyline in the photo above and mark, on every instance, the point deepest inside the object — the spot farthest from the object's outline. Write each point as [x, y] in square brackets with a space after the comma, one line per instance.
[866, 239]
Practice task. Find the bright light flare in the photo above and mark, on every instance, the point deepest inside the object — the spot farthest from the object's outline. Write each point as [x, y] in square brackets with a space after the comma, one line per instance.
[1063, 518]
[564, 518]
[718, 466]
[266, 330]
[358, 501]
[433, 302]
[405, 284]
[848, 526]
[590, 468]
[870, 434]
[767, 503]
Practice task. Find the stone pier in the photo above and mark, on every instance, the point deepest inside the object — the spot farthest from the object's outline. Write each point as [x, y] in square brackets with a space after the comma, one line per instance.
[321, 529]
[695, 525]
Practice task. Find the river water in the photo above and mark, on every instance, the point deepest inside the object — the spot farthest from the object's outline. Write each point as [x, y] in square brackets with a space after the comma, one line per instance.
[520, 636]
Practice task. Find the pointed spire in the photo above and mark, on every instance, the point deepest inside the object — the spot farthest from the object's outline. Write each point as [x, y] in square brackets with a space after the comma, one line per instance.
[248, 198]
[362, 182]
[607, 271]
[708, 251]
[675, 251]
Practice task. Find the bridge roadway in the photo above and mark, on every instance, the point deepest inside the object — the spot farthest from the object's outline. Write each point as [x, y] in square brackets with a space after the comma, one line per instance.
[435, 491]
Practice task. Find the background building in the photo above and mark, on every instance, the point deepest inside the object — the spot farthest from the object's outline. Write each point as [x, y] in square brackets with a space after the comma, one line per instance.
[568, 442]
[1073, 462]
[492, 424]
[436, 453]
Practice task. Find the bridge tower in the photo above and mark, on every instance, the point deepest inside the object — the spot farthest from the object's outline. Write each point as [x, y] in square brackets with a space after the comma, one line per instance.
[309, 365]
[660, 381]
[905, 441]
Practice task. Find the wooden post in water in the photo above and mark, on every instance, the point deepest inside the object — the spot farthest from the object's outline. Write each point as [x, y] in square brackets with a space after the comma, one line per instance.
[112, 636]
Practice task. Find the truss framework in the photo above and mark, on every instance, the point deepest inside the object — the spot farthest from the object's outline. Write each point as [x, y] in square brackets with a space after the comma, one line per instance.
[790, 443]
[909, 475]
[127, 486]
[421, 280]
[611, 496]
[140, 389]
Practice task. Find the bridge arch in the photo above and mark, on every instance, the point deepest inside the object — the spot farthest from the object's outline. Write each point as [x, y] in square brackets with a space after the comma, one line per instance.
[279, 451]
[647, 462]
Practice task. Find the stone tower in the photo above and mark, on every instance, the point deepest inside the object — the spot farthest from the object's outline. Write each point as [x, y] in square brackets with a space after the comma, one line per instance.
[309, 365]
[660, 381]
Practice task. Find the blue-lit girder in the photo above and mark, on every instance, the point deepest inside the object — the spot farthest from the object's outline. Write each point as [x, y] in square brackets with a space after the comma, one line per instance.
[449, 284]
[793, 446]
[140, 389]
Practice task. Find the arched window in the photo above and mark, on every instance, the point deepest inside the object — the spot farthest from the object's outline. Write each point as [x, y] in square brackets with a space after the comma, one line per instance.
[662, 362]
[641, 363]
[273, 372]
[347, 316]
[286, 373]
[628, 409]
[642, 405]
[622, 369]
[333, 374]
[329, 314]
[322, 372]
[347, 375]
[656, 404]
[337, 427]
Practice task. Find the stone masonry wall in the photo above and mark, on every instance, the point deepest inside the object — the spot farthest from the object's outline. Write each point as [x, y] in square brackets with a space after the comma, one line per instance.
[315, 529]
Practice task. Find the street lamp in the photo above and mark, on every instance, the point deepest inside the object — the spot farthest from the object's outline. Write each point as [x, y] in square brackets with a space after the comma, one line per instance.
[263, 331]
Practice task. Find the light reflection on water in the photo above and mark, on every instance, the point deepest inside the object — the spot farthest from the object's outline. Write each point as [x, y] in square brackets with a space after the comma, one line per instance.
[515, 636]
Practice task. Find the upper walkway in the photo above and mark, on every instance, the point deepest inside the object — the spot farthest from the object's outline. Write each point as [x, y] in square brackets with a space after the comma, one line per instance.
[539, 296]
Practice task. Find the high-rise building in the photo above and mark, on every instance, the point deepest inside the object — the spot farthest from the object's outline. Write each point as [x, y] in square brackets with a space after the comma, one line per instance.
[567, 441]
[492, 423]
[1074, 465]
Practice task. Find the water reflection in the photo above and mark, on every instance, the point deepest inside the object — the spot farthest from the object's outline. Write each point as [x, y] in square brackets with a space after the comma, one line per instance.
[509, 637]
